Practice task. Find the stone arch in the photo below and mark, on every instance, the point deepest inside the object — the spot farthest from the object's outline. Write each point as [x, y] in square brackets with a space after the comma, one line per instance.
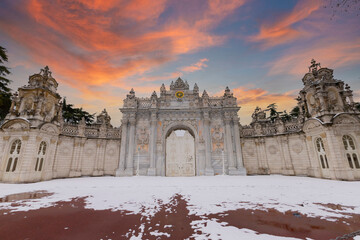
[180, 126]
[190, 166]
[19, 124]
[344, 118]
[50, 128]
[312, 123]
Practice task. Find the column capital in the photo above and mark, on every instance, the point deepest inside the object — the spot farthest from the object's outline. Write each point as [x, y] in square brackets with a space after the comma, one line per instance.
[132, 120]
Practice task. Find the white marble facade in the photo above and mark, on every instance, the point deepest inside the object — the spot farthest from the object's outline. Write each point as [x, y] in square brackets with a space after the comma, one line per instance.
[182, 133]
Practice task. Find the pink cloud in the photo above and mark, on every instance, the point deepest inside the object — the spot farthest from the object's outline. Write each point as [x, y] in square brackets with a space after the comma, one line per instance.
[283, 30]
[196, 66]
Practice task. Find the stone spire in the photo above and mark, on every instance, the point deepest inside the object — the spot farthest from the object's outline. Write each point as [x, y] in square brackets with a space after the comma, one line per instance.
[227, 92]
[196, 88]
[205, 99]
[162, 89]
[205, 94]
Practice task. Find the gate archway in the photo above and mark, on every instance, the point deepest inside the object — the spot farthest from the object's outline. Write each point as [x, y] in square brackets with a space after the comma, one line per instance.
[180, 153]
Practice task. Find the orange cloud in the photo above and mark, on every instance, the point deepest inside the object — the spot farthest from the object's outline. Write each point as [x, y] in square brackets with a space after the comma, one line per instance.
[196, 66]
[97, 43]
[332, 54]
[283, 30]
[249, 99]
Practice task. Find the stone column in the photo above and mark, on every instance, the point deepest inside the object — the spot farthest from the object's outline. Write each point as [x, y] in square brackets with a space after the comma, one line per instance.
[239, 158]
[209, 171]
[124, 128]
[129, 171]
[229, 144]
[152, 144]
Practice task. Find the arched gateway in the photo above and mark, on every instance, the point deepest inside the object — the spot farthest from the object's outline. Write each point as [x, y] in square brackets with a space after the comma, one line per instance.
[209, 140]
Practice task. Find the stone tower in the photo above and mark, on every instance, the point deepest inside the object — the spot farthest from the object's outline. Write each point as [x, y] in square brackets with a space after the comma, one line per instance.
[38, 102]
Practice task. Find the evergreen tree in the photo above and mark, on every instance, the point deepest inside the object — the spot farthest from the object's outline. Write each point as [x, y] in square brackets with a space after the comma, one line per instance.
[295, 112]
[357, 106]
[285, 116]
[273, 111]
[5, 91]
[75, 115]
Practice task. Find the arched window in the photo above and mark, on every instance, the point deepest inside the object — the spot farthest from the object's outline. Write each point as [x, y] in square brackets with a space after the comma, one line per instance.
[40, 156]
[350, 151]
[321, 153]
[14, 156]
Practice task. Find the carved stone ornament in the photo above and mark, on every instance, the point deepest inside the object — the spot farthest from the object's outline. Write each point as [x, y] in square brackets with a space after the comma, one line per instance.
[297, 147]
[272, 149]
[217, 138]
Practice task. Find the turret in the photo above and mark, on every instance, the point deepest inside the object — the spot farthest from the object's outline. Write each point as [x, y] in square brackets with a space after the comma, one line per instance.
[38, 101]
[323, 96]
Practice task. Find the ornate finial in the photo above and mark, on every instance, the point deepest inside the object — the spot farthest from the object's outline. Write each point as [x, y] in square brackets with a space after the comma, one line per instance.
[347, 87]
[196, 88]
[154, 95]
[205, 94]
[227, 89]
[162, 88]
[131, 94]
[172, 85]
[314, 66]
[179, 84]
[45, 72]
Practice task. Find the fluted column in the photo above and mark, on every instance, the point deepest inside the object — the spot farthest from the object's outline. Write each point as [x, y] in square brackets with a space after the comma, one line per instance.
[130, 159]
[124, 129]
[152, 145]
[209, 171]
[239, 160]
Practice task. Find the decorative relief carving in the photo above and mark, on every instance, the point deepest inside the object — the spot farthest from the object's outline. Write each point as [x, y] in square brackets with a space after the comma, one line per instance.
[297, 147]
[65, 150]
[249, 149]
[110, 152]
[90, 151]
[143, 136]
[217, 137]
[272, 149]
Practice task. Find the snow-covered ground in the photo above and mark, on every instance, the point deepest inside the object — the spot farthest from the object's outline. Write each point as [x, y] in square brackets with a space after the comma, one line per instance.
[204, 195]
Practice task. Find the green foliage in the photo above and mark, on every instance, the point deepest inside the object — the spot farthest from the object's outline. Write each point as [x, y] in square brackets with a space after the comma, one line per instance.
[285, 116]
[295, 112]
[357, 106]
[273, 111]
[75, 115]
[5, 91]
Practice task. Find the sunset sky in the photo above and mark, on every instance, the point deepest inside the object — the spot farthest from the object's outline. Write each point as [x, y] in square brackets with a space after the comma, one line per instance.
[98, 50]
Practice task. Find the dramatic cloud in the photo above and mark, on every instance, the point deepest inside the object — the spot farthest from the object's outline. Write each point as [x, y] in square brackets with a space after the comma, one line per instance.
[196, 66]
[249, 99]
[283, 30]
[96, 43]
[330, 54]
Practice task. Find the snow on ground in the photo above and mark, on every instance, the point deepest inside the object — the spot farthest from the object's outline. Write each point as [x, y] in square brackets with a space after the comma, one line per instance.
[204, 194]
[215, 230]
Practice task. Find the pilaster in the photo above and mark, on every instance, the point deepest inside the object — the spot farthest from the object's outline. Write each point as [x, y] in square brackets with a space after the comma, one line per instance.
[209, 171]
[122, 159]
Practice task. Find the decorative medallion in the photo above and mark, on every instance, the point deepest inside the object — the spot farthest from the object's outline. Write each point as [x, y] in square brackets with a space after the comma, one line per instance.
[179, 94]
[297, 147]
[272, 149]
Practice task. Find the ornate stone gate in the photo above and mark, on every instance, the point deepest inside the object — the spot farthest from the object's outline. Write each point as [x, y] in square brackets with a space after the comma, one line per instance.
[212, 122]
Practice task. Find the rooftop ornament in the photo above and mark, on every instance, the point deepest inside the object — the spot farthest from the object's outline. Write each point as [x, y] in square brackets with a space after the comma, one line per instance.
[314, 66]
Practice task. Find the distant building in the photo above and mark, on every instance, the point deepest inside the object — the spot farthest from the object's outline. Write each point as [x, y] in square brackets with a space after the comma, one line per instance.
[182, 133]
